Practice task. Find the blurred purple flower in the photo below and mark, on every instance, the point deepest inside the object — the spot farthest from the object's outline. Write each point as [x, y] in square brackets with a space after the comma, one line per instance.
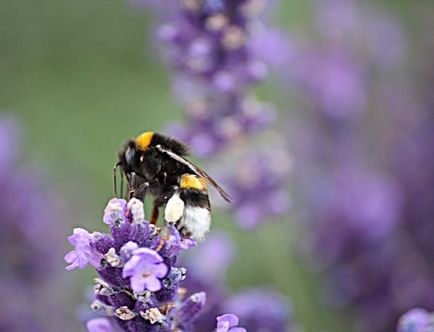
[362, 168]
[9, 143]
[337, 68]
[272, 46]
[416, 320]
[191, 307]
[259, 309]
[339, 85]
[29, 214]
[138, 288]
[218, 246]
[256, 188]
[380, 38]
[99, 325]
[228, 323]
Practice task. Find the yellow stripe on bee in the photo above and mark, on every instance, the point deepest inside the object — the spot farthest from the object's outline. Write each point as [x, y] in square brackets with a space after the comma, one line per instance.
[190, 181]
[144, 140]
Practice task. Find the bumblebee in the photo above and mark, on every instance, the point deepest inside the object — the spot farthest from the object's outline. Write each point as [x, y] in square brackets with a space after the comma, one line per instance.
[155, 164]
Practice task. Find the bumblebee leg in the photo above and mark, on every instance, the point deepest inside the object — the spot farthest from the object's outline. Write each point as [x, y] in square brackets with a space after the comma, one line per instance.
[141, 191]
[155, 213]
[158, 202]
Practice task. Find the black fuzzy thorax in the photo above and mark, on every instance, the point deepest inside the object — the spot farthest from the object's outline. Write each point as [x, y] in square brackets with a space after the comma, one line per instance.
[171, 144]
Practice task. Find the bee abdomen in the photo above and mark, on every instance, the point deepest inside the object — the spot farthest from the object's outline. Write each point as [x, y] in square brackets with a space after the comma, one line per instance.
[189, 210]
[195, 222]
[195, 198]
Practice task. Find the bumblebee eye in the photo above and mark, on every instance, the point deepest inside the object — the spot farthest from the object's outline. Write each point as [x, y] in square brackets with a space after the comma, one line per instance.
[141, 158]
[129, 155]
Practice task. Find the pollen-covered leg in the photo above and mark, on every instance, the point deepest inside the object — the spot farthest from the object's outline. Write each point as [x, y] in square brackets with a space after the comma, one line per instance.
[174, 209]
[164, 237]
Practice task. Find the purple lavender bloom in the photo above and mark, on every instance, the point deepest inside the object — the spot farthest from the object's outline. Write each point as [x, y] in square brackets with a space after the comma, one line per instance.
[84, 253]
[145, 268]
[115, 211]
[138, 288]
[228, 323]
[416, 320]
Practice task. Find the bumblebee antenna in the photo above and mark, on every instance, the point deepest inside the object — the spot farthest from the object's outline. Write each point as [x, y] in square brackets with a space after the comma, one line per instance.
[115, 168]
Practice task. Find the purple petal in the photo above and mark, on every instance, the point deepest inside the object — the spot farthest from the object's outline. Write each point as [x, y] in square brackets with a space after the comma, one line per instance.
[148, 254]
[130, 266]
[138, 283]
[71, 258]
[160, 270]
[99, 325]
[188, 243]
[229, 320]
[152, 284]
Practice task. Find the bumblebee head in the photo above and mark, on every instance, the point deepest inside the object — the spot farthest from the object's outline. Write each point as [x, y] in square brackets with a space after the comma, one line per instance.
[126, 155]
[191, 181]
[130, 154]
[144, 140]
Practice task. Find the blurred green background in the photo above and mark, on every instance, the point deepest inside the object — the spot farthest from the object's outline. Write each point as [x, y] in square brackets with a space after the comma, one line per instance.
[82, 76]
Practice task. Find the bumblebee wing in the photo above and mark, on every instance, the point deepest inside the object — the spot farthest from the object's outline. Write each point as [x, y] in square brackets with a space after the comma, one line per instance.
[196, 170]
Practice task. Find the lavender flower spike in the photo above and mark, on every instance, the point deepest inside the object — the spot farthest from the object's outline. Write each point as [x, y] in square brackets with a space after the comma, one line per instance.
[228, 323]
[138, 284]
[145, 268]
